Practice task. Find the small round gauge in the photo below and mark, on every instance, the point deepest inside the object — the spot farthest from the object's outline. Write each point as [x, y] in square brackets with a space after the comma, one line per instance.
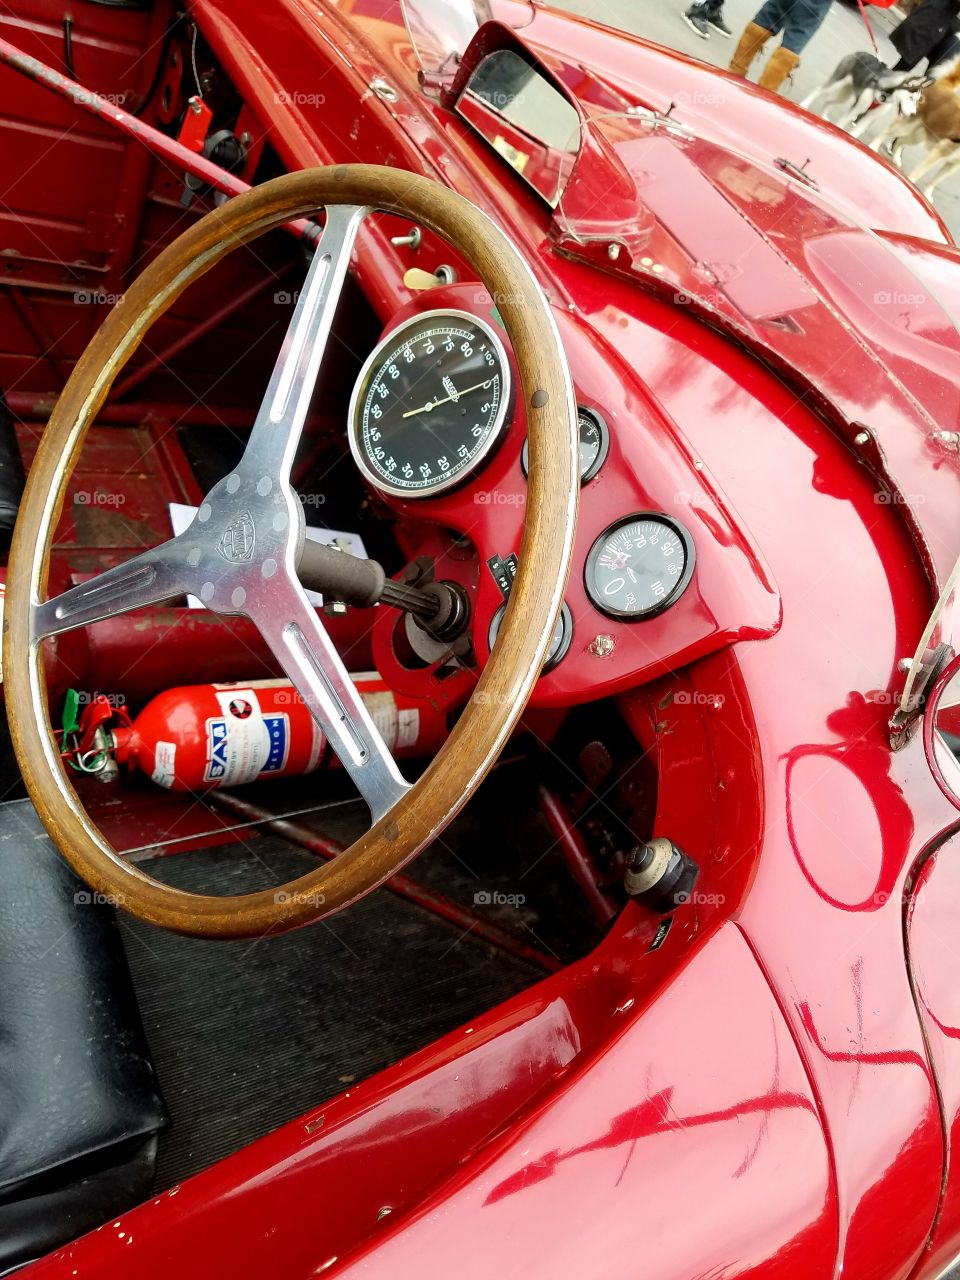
[431, 403]
[594, 443]
[562, 635]
[639, 566]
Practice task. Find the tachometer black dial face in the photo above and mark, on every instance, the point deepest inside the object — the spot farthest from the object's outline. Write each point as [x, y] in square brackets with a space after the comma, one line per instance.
[431, 403]
[559, 644]
[639, 566]
[594, 443]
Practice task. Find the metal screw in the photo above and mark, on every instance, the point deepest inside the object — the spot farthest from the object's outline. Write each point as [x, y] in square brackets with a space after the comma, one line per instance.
[383, 90]
[613, 252]
[862, 437]
[602, 646]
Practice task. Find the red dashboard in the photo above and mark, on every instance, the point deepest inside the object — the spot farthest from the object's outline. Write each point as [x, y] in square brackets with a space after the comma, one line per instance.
[470, 533]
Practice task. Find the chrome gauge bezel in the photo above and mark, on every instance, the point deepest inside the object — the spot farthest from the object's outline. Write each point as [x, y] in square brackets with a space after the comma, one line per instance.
[600, 422]
[555, 655]
[389, 343]
[672, 596]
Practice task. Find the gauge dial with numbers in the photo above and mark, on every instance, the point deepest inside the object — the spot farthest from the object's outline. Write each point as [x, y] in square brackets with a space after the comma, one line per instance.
[639, 566]
[559, 643]
[594, 443]
[431, 404]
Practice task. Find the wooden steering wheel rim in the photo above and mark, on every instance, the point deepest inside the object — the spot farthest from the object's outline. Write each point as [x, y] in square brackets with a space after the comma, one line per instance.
[508, 679]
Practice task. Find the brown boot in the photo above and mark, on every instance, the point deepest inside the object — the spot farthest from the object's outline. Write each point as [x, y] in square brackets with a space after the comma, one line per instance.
[751, 42]
[782, 62]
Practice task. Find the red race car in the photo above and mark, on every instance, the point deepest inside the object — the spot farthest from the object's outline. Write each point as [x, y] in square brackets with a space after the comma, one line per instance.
[468, 432]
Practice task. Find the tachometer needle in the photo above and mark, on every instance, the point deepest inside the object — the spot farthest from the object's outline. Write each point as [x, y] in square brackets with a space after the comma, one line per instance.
[432, 404]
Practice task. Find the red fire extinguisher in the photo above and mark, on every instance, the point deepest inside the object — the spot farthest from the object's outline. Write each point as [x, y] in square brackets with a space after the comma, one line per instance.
[213, 735]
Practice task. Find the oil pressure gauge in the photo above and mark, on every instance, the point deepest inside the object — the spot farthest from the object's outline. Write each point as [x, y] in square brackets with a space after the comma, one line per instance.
[639, 566]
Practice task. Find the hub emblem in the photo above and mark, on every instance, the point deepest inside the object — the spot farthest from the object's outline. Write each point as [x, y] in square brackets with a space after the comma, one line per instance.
[239, 539]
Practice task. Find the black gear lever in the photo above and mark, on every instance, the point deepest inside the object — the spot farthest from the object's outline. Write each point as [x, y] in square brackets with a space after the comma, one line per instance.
[440, 608]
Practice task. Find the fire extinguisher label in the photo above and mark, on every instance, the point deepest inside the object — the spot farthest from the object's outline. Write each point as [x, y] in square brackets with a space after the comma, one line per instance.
[243, 744]
[277, 729]
[216, 750]
[165, 763]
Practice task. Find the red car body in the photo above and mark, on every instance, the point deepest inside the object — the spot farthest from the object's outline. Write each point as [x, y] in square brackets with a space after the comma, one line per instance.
[771, 1089]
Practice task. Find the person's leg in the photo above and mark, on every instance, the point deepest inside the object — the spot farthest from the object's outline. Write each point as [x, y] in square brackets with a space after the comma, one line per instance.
[751, 42]
[802, 21]
[713, 13]
[773, 15]
[696, 18]
[768, 19]
[779, 65]
[943, 51]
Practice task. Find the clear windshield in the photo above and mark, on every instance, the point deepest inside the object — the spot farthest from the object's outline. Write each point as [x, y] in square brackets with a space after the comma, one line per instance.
[440, 30]
[834, 307]
[939, 641]
[525, 118]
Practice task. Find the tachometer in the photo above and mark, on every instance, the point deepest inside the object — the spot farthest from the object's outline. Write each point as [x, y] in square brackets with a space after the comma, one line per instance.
[639, 566]
[431, 404]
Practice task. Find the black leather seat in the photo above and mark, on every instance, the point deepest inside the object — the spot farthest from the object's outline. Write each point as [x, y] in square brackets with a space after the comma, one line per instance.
[79, 1105]
[11, 474]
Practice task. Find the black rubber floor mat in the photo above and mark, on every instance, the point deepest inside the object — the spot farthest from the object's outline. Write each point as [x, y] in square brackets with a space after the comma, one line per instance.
[247, 1035]
[499, 858]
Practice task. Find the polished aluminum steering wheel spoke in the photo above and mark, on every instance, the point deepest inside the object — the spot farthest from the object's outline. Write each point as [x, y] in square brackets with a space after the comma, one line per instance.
[276, 432]
[149, 578]
[259, 522]
[300, 642]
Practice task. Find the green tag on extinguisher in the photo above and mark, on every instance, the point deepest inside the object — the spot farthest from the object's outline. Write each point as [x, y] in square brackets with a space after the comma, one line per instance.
[71, 707]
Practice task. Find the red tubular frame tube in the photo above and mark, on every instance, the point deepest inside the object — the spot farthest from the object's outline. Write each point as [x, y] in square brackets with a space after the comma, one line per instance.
[438, 903]
[166, 148]
[576, 853]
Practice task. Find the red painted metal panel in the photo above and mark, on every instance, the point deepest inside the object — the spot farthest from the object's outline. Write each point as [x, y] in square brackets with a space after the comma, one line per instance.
[932, 911]
[658, 1149]
[843, 818]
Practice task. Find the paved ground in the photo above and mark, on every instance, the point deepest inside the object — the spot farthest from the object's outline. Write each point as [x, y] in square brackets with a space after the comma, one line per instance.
[841, 33]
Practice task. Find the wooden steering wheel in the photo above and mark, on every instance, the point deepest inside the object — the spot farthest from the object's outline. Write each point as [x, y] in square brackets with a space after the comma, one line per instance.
[265, 586]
